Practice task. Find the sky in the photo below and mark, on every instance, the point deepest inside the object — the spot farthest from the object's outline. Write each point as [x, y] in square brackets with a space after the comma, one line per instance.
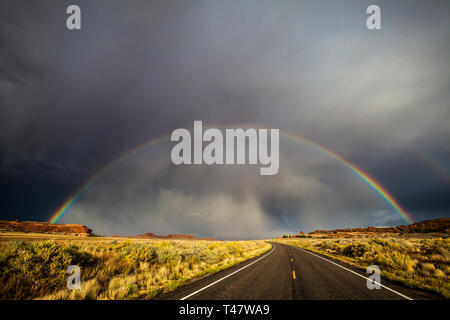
[74, 101]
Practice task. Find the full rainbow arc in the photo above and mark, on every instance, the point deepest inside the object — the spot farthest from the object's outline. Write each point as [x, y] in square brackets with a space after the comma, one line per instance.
[388, 198]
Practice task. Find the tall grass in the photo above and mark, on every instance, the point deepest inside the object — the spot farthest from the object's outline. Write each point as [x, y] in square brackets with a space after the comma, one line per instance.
[417, 263]
[114, 269]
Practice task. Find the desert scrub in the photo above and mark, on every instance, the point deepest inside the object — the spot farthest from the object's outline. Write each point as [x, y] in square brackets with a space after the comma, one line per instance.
[119, 269]
[417, 263]
[354, 250]
[30, 269]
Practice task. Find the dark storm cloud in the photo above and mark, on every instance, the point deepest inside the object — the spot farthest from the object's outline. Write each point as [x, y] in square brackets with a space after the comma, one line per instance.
[72, 101]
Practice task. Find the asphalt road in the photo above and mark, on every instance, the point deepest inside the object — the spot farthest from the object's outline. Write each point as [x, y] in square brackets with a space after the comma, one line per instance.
[290, 273]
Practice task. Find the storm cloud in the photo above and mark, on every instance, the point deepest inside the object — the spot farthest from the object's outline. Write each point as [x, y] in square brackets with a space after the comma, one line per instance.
[73, 101]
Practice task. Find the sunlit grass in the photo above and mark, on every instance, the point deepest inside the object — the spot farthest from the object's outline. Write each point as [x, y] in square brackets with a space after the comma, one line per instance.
[113, 269]
[417, 263]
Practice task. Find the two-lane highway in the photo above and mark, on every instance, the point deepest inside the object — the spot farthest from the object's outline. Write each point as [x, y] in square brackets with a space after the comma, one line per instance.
[287, 273]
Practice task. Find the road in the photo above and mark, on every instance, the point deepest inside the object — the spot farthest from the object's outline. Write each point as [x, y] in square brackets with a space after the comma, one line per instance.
[291, 273]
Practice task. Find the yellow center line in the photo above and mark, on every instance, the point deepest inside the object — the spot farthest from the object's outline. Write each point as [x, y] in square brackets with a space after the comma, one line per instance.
[293, 274]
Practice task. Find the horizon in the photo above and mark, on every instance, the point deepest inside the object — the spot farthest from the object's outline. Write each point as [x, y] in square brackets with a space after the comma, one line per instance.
[200, 237]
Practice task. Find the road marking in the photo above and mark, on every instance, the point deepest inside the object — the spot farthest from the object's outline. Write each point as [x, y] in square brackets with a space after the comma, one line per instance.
[211, 284]
[400, 294]
[293, 274]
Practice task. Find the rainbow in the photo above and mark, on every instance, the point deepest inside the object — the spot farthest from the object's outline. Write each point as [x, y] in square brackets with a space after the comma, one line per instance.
[364, 176]
[434, 164]
[100, 173]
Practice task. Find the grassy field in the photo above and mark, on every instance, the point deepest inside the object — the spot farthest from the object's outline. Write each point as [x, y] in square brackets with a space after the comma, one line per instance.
[33, 267]
[422, 263]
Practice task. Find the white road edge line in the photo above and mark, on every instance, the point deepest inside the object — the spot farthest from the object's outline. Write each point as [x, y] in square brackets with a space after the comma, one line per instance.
[211, 284]
[400, 294]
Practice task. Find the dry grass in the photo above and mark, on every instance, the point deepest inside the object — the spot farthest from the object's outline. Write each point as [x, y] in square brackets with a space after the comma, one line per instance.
[417, 263]
[112, 268]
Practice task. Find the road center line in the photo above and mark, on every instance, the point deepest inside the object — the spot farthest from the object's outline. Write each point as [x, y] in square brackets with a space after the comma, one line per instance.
[211, 284]
[400, 294]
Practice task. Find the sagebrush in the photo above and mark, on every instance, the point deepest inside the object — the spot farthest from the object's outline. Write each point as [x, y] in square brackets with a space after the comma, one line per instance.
[119, 269]
[417, 263]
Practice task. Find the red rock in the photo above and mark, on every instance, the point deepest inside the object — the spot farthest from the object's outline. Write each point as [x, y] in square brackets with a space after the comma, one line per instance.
[441, 225]
[150, 235]
[45, 227]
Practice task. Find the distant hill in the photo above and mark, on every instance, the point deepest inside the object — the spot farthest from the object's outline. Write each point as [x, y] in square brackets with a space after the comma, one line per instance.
[44, 227]
[150, 235]
[441, 225]
[77, 229]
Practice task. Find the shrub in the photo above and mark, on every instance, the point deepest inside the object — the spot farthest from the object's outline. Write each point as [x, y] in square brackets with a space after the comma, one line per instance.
[32, 268]
[234, 248]
[113, 269]
[137, 252]
[354, 250]
[329, 246]
[419, 263]
[168, 254]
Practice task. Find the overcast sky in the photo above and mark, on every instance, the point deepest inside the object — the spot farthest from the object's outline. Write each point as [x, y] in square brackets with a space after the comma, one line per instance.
[73, 101]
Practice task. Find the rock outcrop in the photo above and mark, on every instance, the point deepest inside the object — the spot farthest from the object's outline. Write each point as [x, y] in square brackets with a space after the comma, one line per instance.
[150, 235]
[45, 227]
[441, 225]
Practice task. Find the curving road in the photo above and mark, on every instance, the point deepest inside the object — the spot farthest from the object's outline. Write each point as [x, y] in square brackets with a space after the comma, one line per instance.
[290, 273]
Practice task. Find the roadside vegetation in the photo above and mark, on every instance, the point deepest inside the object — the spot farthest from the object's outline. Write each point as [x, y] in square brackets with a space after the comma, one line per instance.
[113, 269]
[417, 263]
